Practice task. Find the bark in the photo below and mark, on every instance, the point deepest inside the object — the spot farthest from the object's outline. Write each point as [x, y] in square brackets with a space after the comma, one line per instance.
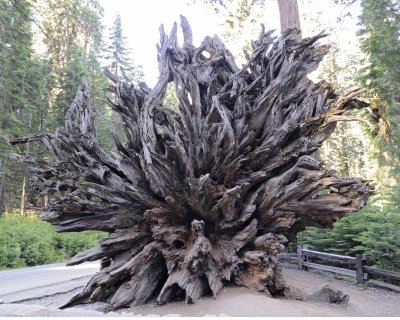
[3, 168]
[23, 195]
[289, 15]
[209, 195]
[25, 173]
[46, 200]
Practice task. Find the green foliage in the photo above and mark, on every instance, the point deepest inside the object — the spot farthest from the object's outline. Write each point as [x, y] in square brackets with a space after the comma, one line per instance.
[21, 91]
[72, 243]
[380, 22]
[36, 89]
[375, 231]
[118, 55]
[379, 34]
[171, 100]
[71, 76]
[345, 152]
[73, 37]
[27, 241]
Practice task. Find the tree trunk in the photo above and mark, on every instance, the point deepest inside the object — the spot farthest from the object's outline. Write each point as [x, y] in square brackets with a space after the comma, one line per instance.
[25, 170]
[46, 200]
[290, 18]
[3, 167]
[23, 195]
[289, 15]
[207, 196]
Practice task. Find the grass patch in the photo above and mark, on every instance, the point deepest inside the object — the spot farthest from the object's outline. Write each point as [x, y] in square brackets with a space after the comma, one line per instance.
[25, 240]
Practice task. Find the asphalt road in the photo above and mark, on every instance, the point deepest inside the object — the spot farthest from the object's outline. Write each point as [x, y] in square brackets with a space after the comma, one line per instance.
[12, 281]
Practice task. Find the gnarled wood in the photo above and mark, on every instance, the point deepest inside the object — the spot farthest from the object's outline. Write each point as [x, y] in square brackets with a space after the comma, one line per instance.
[210, 194]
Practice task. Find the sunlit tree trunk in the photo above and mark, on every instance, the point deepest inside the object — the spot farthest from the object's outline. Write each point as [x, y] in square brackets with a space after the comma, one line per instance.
[46, 200]
[23, 195]
[2, 174]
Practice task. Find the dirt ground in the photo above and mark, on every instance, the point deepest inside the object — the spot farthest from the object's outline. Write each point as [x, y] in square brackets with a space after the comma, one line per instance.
[233, 301]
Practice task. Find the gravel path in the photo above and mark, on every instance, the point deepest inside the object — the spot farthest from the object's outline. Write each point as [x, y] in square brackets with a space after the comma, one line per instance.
[233, 301]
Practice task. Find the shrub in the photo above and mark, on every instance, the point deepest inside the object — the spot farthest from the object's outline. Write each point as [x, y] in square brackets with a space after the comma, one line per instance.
[372, 231]
[27, 241]
[73, 242]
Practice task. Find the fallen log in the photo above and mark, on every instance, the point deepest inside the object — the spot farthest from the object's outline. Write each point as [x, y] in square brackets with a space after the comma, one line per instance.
[208, 195]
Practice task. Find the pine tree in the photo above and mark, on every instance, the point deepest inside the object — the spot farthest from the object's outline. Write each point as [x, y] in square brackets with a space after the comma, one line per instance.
[36, 90]
[118, 55]
[73, 37]
[20, 94]
[380, 21]
[375, 231]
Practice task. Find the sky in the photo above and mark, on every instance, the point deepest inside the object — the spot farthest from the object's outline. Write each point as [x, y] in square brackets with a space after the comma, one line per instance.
[141, 20]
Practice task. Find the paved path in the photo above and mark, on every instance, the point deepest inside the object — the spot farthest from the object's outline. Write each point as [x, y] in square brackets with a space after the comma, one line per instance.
[19, 282]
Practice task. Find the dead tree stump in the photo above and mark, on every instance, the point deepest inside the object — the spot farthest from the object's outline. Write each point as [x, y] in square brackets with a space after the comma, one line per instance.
[208, 195]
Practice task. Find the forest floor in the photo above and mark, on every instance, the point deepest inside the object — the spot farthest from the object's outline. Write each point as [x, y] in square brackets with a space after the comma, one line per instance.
[234, 301]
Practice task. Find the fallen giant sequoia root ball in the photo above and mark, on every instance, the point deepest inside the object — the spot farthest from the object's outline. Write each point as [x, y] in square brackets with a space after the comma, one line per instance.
[208, 195]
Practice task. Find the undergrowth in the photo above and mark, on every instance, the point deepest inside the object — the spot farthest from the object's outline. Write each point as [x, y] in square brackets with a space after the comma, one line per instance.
[25, 240]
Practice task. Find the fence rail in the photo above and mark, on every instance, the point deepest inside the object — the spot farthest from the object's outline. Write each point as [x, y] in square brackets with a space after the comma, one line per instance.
[328, 256]
[361, 272]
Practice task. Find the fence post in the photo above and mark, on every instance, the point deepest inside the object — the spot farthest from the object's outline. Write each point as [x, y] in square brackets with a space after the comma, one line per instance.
[359, 268]
[300, 256]
[305, 258]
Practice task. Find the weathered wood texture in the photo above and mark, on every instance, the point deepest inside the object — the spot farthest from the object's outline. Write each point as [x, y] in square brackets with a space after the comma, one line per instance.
[381, 272]
[210, 194]
[346, 272]
[328, 256]
[380, 284]
[299, 257]
[360, 268]
[361, 273]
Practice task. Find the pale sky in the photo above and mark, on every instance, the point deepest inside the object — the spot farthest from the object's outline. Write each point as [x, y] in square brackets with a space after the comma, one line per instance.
[141, 20]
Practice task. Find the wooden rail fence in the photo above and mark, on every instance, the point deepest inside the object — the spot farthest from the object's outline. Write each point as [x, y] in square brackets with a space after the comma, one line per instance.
[356, 266]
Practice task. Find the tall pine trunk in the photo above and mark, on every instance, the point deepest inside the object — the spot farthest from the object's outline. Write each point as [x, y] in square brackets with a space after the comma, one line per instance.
[3, 168]
[25, 171]
[23, 195]
[289, 15]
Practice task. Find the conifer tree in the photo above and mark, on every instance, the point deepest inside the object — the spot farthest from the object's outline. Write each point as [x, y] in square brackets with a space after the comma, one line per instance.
[20, 94]
[36, 90]
[73, 36]
[118, 56]
[380, 21]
